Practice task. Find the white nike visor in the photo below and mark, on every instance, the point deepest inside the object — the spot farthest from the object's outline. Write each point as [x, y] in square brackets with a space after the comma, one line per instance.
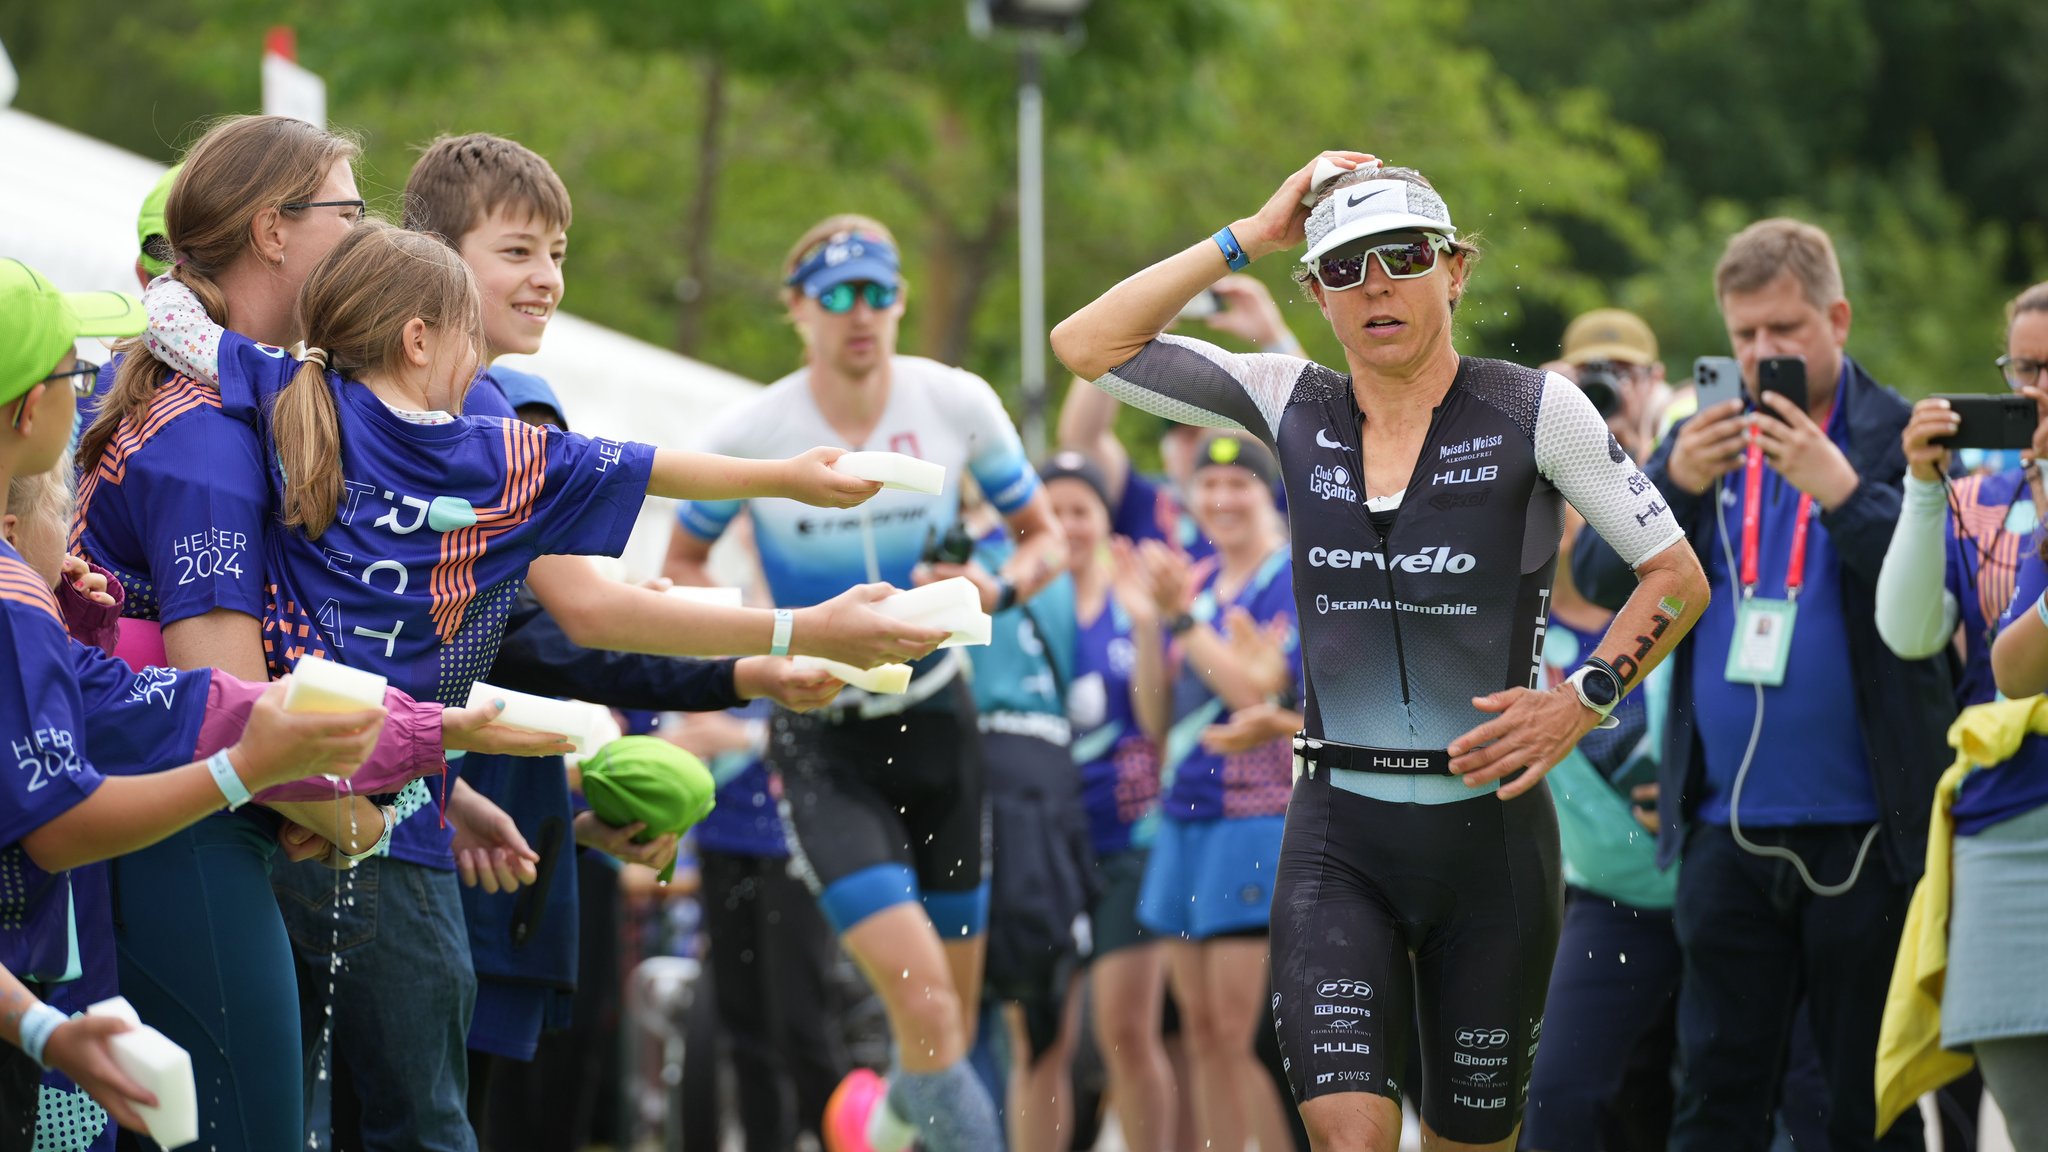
[1371, 207]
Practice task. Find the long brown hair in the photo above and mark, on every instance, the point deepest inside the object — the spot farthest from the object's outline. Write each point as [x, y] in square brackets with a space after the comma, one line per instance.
[354, 308]
[240, 167]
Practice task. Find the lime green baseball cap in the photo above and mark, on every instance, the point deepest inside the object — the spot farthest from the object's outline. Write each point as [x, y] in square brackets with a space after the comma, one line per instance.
[149, 226]
[38, 324]
[647, 780]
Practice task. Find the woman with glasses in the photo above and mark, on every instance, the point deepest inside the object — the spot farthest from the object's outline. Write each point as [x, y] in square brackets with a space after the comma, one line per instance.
[1968, 555]
[1425, 494]
[884, 796]
[172, 499]
[1955, 555]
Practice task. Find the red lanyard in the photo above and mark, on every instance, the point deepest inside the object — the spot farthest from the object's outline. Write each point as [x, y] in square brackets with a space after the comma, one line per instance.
[1752, 519]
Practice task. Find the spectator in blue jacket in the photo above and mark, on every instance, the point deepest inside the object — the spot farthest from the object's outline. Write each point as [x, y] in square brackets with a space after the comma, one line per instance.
[1791, 510]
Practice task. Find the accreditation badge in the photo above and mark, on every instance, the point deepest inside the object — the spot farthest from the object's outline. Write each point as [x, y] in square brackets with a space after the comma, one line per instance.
[1763, 641]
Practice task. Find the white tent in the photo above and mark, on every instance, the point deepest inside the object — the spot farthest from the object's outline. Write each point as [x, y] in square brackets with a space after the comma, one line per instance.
[67, 209]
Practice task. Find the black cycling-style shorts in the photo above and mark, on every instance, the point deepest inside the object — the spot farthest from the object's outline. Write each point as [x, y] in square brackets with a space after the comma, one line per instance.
[888, 810]
[1392, 917]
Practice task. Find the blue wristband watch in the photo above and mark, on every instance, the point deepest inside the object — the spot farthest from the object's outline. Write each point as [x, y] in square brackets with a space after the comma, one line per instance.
[1233, 252]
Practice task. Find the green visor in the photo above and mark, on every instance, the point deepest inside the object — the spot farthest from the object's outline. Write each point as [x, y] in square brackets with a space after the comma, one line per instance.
[39, 324]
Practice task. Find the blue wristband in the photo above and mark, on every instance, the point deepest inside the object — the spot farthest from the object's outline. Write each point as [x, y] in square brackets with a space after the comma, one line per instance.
[785, 622]
[37, 1025]
[1233, 252]
[224, 775]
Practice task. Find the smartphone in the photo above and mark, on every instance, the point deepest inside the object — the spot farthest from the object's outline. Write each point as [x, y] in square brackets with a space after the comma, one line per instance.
[1206, 303]
[1992, 421]
[1716, 380]
[1785, 375]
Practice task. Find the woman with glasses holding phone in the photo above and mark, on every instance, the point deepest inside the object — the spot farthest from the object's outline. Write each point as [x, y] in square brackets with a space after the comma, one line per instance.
[1954, 558]
[1969, 555]
[1425, 494]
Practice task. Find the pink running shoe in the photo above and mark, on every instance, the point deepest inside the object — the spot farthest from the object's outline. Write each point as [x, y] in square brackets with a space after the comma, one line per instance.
[847, 1112]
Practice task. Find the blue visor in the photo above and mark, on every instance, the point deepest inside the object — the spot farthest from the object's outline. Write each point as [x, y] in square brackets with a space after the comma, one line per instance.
[522, 388]
[847, 259]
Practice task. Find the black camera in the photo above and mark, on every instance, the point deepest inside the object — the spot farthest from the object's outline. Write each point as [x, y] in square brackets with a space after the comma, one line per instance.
[955, 547]
[1602, 385]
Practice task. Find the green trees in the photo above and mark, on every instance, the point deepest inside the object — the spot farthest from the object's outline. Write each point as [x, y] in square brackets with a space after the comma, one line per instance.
[1603, 149]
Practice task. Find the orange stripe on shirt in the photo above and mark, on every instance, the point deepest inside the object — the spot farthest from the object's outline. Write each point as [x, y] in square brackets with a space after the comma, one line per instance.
[19, 583]
[452, 582]
[181, 394]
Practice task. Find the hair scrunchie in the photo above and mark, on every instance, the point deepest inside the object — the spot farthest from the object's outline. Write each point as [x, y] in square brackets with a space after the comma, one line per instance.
[316, 356]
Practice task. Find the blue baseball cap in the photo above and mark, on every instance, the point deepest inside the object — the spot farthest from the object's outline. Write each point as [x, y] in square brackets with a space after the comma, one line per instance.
[523, 388]
[848, 258]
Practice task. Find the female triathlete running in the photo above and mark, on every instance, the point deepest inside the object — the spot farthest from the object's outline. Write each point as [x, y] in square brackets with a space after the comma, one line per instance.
[1424, 495]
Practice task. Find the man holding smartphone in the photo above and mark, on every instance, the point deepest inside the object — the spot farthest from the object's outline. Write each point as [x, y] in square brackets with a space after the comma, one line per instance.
[1800, 753]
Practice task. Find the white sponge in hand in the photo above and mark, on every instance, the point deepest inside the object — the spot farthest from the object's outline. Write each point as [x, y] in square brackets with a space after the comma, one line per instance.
[895, 470]
[324, 686]
[162, 1068]
[567, 718]
[953, 604]
[882, 680]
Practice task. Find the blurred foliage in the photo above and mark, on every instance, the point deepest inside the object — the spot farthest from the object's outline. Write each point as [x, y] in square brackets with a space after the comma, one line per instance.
[1603, 150]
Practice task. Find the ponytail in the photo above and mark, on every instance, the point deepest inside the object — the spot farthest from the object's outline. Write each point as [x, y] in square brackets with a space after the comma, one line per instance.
[306, 429]
[354, 306]
[139, 373]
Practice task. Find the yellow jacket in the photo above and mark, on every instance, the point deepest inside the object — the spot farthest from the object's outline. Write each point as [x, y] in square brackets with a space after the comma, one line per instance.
[1910, 1058]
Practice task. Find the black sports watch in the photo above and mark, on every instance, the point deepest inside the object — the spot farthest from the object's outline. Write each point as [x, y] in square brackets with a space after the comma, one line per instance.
[1598, 688]
[1179, 624]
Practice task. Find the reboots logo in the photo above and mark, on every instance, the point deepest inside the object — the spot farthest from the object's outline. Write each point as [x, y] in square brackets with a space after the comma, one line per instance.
[1426, 560]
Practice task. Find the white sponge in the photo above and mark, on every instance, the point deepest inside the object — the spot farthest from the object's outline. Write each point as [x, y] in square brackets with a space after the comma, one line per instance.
[537, 713]
[953, 604]
[324, 686]
[895, 470]
[159, 1066]
[882, 680]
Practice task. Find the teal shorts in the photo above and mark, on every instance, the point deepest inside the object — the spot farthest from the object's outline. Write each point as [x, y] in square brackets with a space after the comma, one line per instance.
[1211, 878]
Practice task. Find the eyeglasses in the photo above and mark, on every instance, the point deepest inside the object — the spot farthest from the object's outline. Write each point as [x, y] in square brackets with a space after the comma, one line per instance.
[2020, 371]
[84, 378]
[838, 299]
[360, 206]
[1400, 260]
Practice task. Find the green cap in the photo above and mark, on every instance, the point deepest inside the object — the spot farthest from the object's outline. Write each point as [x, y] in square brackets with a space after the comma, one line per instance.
[150, 224]
[647, 780]
[38, 324]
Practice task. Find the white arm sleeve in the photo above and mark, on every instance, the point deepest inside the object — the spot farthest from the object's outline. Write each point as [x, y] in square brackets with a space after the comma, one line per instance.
[1576, 452]
[1195, 382]
[1916, 614]
[181, 334]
